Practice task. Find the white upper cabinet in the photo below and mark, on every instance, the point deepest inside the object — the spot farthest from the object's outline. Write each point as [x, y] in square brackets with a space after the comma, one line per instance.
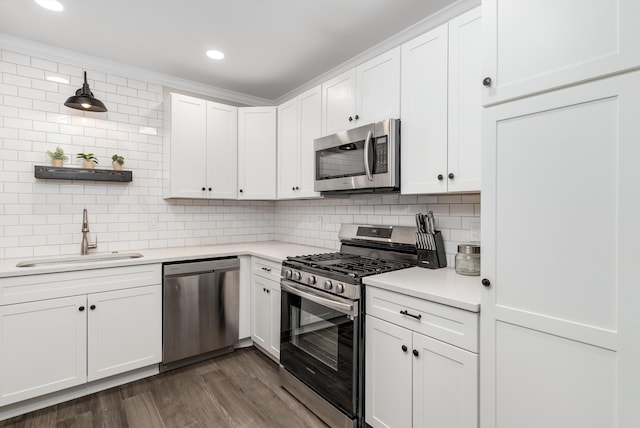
[561, 345]
[203, 149]
[222, 151]
[257, 153]
[188, 147]
[299, 123]
[368, 93]
[288, 165]
[531, 46]
[441, 111]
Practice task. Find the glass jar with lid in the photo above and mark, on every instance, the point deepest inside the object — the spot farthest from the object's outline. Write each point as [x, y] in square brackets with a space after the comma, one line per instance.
[468, 260]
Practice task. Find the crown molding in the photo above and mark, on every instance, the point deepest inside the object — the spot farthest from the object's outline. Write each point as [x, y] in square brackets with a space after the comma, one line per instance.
[56, 54]
[429, 23]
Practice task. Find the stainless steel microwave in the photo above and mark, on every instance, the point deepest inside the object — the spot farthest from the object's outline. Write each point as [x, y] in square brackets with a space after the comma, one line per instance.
[363, 159]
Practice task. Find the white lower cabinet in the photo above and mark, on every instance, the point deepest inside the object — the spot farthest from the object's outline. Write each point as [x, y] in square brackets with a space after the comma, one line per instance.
[265, 306]
[51, 342]
[44, 347]
[123, 330]
[413, 380]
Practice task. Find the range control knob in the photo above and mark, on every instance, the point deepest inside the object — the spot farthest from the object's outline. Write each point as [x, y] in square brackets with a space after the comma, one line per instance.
[288, 274]
[296, 276]
[311, 280]
[328, 285]
[339, 288]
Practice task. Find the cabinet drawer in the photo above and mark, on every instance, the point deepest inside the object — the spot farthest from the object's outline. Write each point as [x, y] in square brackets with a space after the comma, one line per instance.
[451, 325]
[266, 269]
[30, 288]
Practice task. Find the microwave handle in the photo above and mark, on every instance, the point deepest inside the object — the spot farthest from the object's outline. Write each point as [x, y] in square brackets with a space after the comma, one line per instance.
[367, 167]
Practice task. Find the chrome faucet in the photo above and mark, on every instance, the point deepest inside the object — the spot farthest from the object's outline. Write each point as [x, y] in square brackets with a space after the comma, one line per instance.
[85, 246]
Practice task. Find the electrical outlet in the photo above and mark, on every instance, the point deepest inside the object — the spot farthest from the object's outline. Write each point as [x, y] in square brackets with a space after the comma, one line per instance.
[153, 221]
[475, 231]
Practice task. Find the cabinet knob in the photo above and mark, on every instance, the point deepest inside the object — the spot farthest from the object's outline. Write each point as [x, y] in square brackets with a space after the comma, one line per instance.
[350, 119]
[203, 189]
[268, 291]
[209, 188]
[297, 188]
[415, 352]
[81, 308]
[440, 177]
[240, 190]
[404, 348]
[357, 117]
[486, 81]
[486, 282]
[451, 175]
[92, 307]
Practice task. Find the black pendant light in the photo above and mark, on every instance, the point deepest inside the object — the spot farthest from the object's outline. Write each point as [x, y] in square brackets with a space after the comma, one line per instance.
[84, 100]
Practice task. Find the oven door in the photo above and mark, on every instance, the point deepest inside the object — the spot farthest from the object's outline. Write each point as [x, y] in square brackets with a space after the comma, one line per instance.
[319, 343]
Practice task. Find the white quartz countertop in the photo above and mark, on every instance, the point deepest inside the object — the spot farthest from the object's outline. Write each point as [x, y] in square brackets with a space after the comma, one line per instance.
[271, 250]
[437, 285]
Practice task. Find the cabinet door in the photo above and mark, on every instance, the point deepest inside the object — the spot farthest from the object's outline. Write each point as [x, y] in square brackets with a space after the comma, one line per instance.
[222, 151]
[274, 321]
[257, 152]
[310, 120]
[424, 113]
[387, 374]
[530, 46]
[125, 330]
[378, 88]
[338, 103]
[261, 312]
[288, 143]
[188, 147]
[44, 347]
[565, 162]
[465, 110]
[445, 385]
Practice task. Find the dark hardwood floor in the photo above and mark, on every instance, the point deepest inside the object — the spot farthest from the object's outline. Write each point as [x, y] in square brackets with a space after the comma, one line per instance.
[240, 389]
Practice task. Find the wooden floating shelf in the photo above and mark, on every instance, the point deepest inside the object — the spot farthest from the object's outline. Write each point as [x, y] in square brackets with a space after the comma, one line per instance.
[94, 174]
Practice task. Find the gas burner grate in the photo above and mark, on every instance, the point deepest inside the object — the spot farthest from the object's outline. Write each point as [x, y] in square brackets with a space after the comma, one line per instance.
[352, 265]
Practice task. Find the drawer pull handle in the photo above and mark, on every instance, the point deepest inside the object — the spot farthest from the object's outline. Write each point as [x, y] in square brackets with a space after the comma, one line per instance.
[405, 312]
[266, 269]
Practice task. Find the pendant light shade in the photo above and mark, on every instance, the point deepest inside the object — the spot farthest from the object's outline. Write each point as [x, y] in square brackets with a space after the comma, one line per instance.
[84, 100]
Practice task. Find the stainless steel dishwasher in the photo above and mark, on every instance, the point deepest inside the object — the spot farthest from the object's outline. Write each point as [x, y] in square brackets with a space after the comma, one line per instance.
[200, 310]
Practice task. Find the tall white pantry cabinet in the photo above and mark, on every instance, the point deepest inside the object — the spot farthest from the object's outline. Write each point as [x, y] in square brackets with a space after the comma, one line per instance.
[560, 326]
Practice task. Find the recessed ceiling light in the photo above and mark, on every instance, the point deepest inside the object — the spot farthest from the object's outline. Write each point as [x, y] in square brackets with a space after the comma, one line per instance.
[214, 54]
[53, 5]
[57, 79]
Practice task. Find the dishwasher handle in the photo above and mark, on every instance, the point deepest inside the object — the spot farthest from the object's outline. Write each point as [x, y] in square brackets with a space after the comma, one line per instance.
[193, 268]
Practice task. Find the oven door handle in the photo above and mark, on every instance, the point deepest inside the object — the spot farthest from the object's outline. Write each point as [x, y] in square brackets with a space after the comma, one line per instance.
[345, 308]
[367, 167]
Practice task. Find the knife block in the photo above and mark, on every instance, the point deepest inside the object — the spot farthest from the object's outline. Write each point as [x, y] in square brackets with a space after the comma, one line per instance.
[433, 259]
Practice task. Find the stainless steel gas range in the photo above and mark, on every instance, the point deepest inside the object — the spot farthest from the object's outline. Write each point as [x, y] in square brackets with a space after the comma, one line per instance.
[322, 322]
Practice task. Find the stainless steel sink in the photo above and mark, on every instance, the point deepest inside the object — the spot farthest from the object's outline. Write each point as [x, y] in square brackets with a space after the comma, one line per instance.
[90, 258]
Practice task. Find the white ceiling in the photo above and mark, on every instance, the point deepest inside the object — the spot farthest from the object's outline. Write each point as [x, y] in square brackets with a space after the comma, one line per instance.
[271, 46]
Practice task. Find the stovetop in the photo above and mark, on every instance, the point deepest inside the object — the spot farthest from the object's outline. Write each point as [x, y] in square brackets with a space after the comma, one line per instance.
[352, 265]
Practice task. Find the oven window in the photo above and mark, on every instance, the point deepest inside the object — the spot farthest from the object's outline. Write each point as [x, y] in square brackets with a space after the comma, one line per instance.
[346, 160]
[315, 331]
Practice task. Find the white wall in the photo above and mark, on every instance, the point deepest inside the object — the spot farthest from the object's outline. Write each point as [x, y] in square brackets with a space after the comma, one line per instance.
[43, 217]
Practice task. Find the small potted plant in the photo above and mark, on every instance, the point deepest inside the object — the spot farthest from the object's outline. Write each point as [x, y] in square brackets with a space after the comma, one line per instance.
[88, 160]
[118, 162]
[58, 157]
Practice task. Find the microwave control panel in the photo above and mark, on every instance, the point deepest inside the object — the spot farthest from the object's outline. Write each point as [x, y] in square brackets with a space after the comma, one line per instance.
[382, 155]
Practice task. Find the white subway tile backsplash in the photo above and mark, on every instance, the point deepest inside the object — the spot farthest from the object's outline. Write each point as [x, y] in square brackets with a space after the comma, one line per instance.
[43, 217]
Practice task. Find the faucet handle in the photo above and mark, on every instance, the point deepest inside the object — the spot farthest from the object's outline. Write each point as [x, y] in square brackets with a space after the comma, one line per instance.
[93, 246]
